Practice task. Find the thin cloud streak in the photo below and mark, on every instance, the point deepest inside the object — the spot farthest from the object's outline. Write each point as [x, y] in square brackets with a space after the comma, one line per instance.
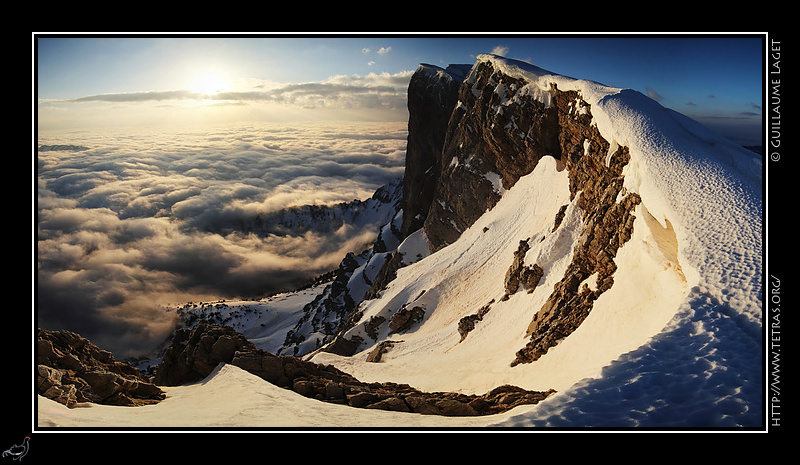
[372, 90]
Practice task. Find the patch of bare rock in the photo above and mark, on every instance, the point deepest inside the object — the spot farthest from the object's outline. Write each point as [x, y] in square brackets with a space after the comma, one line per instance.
[195, 353]
[72, 370]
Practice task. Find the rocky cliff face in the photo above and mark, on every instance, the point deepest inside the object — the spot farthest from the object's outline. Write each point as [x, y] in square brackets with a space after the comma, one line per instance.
[432, 97]
[497, 132]
[595, 173]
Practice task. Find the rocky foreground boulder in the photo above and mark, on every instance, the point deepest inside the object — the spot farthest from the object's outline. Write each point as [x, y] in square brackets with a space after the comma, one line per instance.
[195, 353]
[71, 370]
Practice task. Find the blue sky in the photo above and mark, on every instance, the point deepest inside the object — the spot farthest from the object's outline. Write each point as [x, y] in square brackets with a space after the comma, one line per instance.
[715, 79]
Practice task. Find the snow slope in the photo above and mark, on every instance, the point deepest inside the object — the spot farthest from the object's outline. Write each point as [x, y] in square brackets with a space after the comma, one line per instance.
[676, 341]
[461, 278]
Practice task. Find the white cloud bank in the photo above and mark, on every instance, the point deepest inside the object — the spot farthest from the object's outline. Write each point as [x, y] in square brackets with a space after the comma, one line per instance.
[127, 221]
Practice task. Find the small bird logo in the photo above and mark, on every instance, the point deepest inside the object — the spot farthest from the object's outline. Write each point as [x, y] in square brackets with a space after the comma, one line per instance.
[16, 452]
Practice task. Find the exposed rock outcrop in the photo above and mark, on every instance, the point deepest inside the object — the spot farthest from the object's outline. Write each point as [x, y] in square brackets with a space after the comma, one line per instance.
[193, 354]
[72, 370]
[335, 308]
[207, 344]
[329, 311]
[405, 318]
[376, 354]
[467, 323]
[432, 96]
[385, 275]
[496, 135]
[521, 275]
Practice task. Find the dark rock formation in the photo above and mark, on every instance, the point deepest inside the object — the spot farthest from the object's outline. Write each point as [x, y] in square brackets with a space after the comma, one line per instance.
[386, 274]
[213, 344]
[559, 217]
[71, 370]
[194, 353]
[334, 310]
[467, 324]
[344, 346]
[496, 135]
[377, 353]
[405, 318]
[372, 326]
[519, 274]
[432, 96]
[330, 311]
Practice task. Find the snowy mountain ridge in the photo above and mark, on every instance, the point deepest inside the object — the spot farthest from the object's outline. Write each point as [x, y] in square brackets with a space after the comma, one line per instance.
[358, 214]
[579, 237]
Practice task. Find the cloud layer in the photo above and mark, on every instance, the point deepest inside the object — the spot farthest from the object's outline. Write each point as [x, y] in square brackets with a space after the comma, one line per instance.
[128, 222]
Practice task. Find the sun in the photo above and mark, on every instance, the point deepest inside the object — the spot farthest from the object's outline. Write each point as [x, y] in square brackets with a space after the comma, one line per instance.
[209, 83]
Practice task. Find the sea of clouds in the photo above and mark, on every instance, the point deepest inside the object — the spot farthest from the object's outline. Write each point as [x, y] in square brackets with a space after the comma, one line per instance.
[128, 221]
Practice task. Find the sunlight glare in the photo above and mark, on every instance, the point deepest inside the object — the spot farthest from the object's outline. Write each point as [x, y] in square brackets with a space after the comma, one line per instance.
[209, 83]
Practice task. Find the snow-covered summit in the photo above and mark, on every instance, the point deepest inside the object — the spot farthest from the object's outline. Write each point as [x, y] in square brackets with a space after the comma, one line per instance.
[710, 187]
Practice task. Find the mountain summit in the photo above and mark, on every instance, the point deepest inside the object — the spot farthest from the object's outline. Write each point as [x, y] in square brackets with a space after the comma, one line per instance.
[572, 228]
[553, 234]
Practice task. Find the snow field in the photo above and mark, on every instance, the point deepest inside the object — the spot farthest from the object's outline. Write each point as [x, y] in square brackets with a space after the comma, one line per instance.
[457, 281]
